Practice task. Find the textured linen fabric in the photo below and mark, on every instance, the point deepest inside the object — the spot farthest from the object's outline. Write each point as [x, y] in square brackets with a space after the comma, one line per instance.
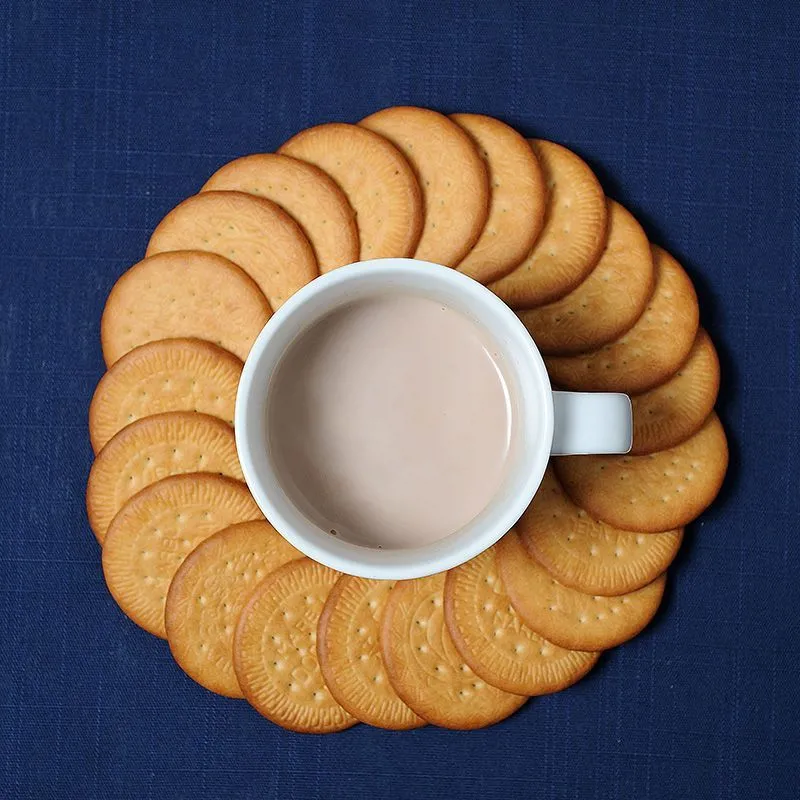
[112, 112]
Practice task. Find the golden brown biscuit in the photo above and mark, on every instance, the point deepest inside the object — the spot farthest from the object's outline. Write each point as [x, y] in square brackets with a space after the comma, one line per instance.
[304, 192]
[254, 233]
[588, 555]
[573, 235]
[375, 177]
[517, 199]
[565, 616]
[153, 448]
[494, 641]
[348, 647]
[425, 667]
[651, 352]
[608, 302]
[186, 294]
[275, 652]
[675, 410]
[451, 176]
[655, 492]
[209, 591]
[157, 528]
[167, 375]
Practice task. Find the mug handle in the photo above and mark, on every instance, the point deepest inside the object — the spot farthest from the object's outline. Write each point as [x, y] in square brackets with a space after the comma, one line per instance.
[591, 423]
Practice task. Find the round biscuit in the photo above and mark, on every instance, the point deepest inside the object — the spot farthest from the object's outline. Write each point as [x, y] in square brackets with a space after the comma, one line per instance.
[588, 555]
[252, 232]
[573, 236]
[651, 352]
[348, 647]
[498, 646]
[651, 493]
[275, 652]
[209, 591]
[517, 198]
[185, 294]
[675, 410]
[377, 180]
[424, 666]
[608, 302]
[451, 174]
[567, 617]
[157, 528]
[304, 192]
[166, 375]
[153, 448]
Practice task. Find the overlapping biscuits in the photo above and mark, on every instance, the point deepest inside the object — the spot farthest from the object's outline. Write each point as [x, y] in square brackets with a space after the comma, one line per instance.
[187, 554]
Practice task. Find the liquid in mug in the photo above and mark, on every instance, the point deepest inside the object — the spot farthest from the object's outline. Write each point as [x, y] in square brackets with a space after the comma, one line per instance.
[390, 421]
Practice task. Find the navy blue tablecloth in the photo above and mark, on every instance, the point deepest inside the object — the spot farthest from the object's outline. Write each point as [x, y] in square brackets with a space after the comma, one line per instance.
[110, 113]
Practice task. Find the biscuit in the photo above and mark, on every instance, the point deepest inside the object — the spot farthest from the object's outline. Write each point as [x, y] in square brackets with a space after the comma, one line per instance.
[656, 492]
[208, 593]
[424, 666]
[573, 236]
[153, 448]
[375, 177]
[304, 192]
[651, 352]
[349, 654]
[254, 233]
[275, 651]
[675, 410]
[157, 529]
[587, 555]
[608, 302]
[567, 617]
[451, 175]
[186, 294]
[167, 375]
[494, 641]
[516, 201]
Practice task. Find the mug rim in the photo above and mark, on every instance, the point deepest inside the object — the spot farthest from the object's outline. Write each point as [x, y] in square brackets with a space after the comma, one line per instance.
[363, 561]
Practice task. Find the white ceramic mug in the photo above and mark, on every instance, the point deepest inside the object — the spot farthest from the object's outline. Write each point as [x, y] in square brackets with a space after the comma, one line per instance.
[546, 422]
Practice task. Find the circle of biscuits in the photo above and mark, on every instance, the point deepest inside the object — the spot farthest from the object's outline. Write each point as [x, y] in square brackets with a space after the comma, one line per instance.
[187, 554]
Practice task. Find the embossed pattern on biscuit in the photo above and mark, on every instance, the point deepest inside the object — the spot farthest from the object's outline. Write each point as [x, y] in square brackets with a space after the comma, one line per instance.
[153, 448]
[166, 375]
[517, 198]
[306, 193]
[675, 410]
[589, 555]
[377, 180]
[608, 302]
[183, 294]
[275, 650]
[424, 666]
[567, 617]
[573, 235]
[252, 232]
[157, 529]
[655, 492]
[651, 351]
[498, 646]
[208, 593]
[451, 175]
[349, 653]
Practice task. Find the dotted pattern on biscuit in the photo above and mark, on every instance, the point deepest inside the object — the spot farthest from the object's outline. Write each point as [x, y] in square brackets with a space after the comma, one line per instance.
[166, 375]
[275, 650]
[153, 448]
[157, 529]
[490, 636]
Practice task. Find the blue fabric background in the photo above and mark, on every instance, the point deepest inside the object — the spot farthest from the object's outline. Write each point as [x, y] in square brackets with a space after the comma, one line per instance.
[110, 113]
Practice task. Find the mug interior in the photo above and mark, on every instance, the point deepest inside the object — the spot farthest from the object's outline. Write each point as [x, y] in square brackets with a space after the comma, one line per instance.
[524, 372]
